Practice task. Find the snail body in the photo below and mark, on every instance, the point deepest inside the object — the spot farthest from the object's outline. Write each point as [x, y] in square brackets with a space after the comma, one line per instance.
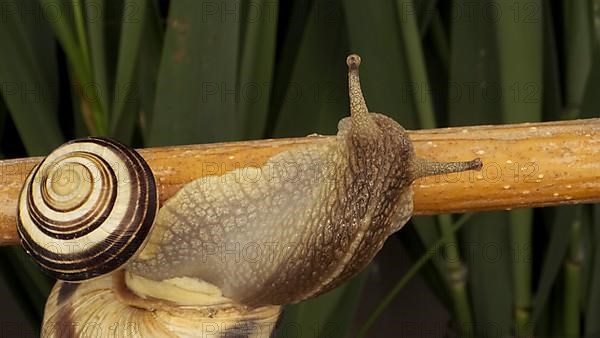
[307, 221]
[321, 235]
[312, 230]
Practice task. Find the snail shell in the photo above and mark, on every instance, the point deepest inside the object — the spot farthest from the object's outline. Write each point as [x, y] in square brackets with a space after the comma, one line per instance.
[86, 209]
[104, 307]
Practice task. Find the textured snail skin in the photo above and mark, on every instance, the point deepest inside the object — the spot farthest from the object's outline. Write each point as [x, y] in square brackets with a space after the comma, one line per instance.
[278, 240]
[299, 226]
[86, 208]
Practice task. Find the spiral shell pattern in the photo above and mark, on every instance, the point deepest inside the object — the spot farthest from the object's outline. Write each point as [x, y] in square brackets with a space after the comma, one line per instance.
[87, 208]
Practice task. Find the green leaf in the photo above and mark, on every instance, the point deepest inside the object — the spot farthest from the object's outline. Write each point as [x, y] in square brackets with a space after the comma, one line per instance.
[80, 126]
[552, 93]
[256, 65]
[196, 91]
[125, 110]
[149, 61]
[426, 10]
[96, 11]
[317, 96]
[439, 39]
[591, 99]
[578, 52]
[474, 73]
[77, 53]
[28, 70]
[286, 59]
[80, 29]
[124, 129]
[520, 61]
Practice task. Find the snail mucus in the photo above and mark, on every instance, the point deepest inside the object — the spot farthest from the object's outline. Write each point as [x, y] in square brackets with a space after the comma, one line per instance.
[127, 268]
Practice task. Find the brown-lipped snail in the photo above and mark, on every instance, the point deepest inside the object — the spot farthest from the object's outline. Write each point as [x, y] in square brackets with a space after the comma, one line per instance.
[87, 208]
[320, 230]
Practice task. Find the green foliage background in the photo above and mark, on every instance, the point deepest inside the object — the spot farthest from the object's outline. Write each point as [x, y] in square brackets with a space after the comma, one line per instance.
[153, 73]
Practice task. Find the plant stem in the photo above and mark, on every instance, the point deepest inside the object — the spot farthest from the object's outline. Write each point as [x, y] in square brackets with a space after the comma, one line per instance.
[64, 36]
[577, 66]
[520, 231]
[456, 277]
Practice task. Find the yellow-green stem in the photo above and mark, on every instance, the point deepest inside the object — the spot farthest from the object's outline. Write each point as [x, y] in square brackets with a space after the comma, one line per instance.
[520, 224]
[456, 277]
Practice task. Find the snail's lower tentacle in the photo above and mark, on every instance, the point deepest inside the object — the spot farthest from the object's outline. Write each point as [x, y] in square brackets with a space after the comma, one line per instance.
[423, 167]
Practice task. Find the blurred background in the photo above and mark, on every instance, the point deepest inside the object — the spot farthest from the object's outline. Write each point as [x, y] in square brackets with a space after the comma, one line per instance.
[155, 73]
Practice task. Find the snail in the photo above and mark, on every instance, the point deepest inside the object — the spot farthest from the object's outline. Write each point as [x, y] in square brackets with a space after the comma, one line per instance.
[225, 252]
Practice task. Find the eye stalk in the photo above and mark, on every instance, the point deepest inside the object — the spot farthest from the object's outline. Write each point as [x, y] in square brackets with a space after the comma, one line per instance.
[357, 101]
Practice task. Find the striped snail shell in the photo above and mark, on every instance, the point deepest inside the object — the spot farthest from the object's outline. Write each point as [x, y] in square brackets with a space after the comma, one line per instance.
[86, 209]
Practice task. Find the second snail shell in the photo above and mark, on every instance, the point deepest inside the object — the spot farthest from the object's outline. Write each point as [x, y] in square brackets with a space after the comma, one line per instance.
[105, 307]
